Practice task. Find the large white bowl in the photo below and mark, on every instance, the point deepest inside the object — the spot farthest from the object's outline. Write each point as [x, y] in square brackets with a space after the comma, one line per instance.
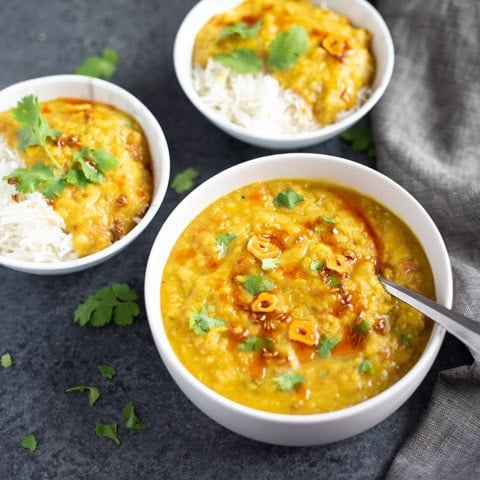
[302, 429]
[360, 12]
[78, 86]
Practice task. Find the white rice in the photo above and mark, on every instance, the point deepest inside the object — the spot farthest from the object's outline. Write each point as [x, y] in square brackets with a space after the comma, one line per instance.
[253, 100]
[30, 229]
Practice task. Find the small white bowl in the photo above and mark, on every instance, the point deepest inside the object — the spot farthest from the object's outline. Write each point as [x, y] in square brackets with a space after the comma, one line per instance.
[78, 86]
[285, 429]
[360, 12]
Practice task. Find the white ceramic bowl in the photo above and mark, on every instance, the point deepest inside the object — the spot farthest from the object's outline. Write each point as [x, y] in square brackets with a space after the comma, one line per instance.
[281, 428]
[360, 12]
[78, 86]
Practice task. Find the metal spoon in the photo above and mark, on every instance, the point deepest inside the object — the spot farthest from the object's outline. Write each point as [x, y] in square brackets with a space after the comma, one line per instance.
[465, 329]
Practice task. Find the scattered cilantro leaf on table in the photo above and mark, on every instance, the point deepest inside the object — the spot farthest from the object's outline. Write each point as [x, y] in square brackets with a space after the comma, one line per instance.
[288, 381]
[287, 47]
[93, 392]
[117, 302]
[255, 284]
[103, 66]
[107, 371]
[242, 29]
[201, 323]
[29, 442]
[131, 420]
[361, 139]
[6, 360]
[183, 181]
[108, 430]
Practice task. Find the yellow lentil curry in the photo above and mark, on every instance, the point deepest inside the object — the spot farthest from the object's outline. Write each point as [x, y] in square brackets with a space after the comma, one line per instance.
[332, 75]
[98, 214]
[271, 297]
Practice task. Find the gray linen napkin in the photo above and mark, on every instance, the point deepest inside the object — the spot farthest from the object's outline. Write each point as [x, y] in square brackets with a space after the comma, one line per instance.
[427, 134]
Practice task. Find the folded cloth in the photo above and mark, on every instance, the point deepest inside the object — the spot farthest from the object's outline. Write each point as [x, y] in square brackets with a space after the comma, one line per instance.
[427, 136]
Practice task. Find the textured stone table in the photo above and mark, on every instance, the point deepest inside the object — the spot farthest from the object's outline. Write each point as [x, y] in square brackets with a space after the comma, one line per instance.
[51, 353]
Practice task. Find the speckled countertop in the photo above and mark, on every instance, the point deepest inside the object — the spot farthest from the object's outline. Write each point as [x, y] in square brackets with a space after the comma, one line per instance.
[51, 353]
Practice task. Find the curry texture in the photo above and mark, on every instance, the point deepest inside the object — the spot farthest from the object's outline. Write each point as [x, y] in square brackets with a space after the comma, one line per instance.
[322, 320]
[331, 76]
[100, 213]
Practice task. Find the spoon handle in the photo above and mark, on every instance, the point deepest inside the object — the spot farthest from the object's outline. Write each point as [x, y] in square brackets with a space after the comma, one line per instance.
[465, 329]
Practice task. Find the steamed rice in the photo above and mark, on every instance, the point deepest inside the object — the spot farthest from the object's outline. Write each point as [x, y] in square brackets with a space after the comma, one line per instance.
[254, 100]
[30, 229]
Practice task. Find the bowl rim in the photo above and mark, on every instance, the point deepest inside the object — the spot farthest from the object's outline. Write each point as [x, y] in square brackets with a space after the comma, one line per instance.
[184, 76]
[143, 116]
[175, 367]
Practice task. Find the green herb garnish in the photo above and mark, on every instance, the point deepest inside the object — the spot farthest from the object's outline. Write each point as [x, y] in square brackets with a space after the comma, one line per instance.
[201, 323]
[183, 181]
[93, 392]
[99, 67]
[255, 284]
[29, 442]
[288, 381]
[326, 345]
[315, 265]
[116, 302]
[242, 60]
[288, 198]
[242, 29]
[287, 47]
[404, 339]
[106, 371]
[363, 327]
[131, 420]
[270, 263]
[6, 360]
[333, 281]
[366, 367]
[222, 242]
[108, 431]
[256, 344]
[361, 139]
[329, 220]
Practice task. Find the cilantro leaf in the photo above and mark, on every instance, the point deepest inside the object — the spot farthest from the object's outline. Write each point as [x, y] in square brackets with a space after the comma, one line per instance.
[361, 139]
[315, 265]
[183, 181]
[404, 339]
[76, 177]
[99, 67]
[6, 360]
[242, 60]
[242, 29]
[87, 168]
[366, 367]
[201, 323]
[270, 263]
[104, 161]
[256, 344]
[106, 370]
[255, 284]
[288, 198]
[331, 220]
[222, 242]
[28, 180]
[108, 430]
[93, 392]
[29, 442]
[131, 419]
[363, 327]
[333, 281]
[287, 47]
[34, 129]
[115, 302]
[288, 381]
[327, 344]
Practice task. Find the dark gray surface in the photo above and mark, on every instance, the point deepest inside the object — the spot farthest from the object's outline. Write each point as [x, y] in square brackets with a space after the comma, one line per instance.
[50, 353]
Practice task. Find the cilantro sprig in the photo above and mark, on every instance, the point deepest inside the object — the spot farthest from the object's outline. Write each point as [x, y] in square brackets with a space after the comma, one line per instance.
[201, 323]
[117, 302]
[283, 51]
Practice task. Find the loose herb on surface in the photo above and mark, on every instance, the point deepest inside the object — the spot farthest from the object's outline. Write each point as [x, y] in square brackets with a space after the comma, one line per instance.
[117, 302]
[30, 443]
[288, 381]
[131, 420]
[288, 198]
[108, 430]
[183, 181]
[201, 323]
[255, 284]
[6, 360]
[107, 371]
[361, 139]
[93, 392]
[326, 345]
[103, 66]
[283, 51]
